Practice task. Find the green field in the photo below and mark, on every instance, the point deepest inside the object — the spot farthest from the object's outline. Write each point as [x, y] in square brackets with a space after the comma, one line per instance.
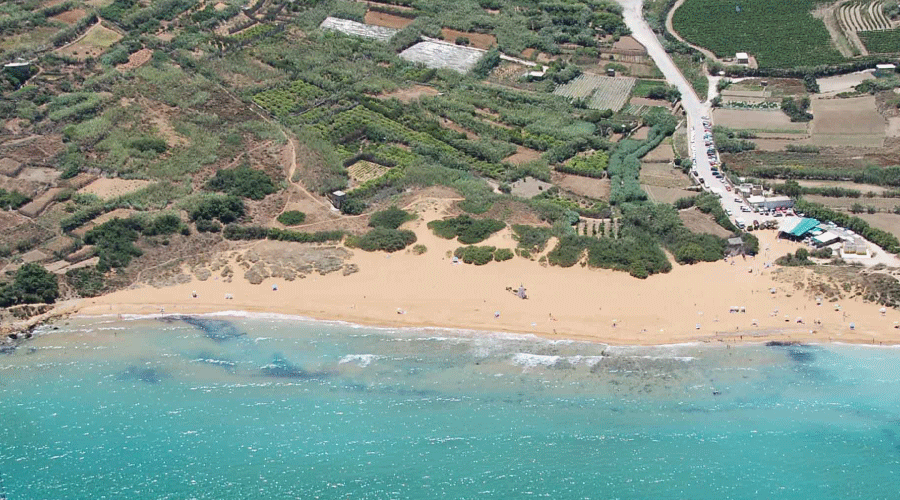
[780, 34]
[881, 42]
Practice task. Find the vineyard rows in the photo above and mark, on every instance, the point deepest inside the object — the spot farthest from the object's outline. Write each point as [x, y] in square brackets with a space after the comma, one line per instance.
[863, 16]
[779, 33]
[345, 26]
[600, 92]
[364, 171]
[285, 100]
[881, 42]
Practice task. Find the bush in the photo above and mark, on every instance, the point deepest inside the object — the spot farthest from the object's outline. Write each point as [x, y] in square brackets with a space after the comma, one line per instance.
[225, 208]
[32, 285]
[503, 254]
[800, 258]
[87, 281]
[796, 109]
[383, 238]
[208, 226]
[11, 200]
[467, 229]
[475, 255]
[115, 242]
[531, 238]
[392, 218]
[242, 181]
[144, 144]
[419, 249]
[236, 232]
[292, 218]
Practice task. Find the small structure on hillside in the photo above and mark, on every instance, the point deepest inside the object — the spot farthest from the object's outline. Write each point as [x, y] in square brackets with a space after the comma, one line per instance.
[742, 58]
[885, 70]
[21, 70]
[735, 246]
[337, 198]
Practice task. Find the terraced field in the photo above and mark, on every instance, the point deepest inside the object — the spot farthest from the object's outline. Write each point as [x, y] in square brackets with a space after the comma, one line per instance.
[881, 42]
[863, 16]
[601, 92]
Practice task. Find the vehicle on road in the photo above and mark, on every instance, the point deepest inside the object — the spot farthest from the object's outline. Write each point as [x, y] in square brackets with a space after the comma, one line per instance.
[740, 223]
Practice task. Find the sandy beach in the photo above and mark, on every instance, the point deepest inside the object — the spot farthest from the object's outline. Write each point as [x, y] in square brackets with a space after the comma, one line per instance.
[688, 304]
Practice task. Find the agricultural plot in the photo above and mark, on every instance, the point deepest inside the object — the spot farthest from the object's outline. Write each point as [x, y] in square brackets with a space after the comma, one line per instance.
[881, 42]
[600, 92]
[441, 55]
[95, 42]
[364, 171]
[863, 16]
[285, 100]
[779, 34]
[847, 122]
[354, 28]
[751, 119]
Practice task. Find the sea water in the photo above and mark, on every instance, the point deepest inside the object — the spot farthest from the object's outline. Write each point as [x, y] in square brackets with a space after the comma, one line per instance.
[230, 407]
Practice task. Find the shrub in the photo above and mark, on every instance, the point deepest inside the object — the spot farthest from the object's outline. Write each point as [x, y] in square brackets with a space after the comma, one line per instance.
[11, 200]
[242, 181]
[144, 144]
[419, 249]
[383, 238]
[225, 208]
[87, 281]
[503, 254]
[114, 240]
[392, 218]
[292, 218]
[32, 285]
[467, 229]
[531, 238]
[236, 232]
[208, 226]
[475, 255]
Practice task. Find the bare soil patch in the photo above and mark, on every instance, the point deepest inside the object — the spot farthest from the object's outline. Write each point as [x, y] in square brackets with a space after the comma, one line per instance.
[477, 40]
[776, 144]
[528, 53]
[755, 120]
[881, 204]
[643, 101]
[110, 188]
[843, 83]
[529, 187]
[847, 122]
[699, 222]
[628, 43]
[457, 128]
[523, 155]
[69, 17]
[41, 175]
[387, 20]
[137, 59]
[588, 187]
[641, 133]
[410, 94]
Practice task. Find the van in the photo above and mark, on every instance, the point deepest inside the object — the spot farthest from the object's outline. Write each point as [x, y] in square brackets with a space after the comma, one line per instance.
[740, 223]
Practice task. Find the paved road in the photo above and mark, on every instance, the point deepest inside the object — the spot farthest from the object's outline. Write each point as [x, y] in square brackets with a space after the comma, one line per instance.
[694, 108]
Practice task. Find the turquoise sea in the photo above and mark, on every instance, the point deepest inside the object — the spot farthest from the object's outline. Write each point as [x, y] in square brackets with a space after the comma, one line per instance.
[233, 407]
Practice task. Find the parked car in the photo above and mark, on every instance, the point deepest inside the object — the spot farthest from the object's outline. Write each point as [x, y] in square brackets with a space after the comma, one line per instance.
[728, 211]
[737, 200]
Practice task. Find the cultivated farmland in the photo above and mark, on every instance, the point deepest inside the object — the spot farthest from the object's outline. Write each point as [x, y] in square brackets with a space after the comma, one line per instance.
[847, 122]
[600, 92]
[364, 171]
[358, 29]
[881, 42]
[442, 55]
[95, 41]
[863, 16]
[780, 34]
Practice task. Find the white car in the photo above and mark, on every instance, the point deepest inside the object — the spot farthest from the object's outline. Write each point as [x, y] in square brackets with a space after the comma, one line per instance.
[728, 211]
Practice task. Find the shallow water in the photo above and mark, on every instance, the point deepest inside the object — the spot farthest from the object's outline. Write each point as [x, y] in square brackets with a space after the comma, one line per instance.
[259, 408]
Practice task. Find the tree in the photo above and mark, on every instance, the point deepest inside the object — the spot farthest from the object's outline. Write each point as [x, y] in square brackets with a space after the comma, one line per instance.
[857, 208]
[792, 188]
[32, 285]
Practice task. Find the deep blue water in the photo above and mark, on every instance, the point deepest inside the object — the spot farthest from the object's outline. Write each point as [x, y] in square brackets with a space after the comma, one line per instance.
[221, 408]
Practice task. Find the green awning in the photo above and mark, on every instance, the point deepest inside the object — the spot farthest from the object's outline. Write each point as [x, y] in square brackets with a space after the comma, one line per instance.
[804, 226]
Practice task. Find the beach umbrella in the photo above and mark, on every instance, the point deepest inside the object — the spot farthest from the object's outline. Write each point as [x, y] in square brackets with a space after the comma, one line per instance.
[754, 322]
[698, 326]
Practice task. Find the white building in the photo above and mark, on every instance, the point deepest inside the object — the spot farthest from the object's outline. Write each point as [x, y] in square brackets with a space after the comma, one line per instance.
[770, 202]
[742, 58]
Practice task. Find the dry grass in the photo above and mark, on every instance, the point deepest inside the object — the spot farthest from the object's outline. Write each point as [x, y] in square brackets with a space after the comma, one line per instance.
[410, 94]
[95, 42]
[523, 155]
[699, 222]
[478, 40]
[111, 188]
[69, 17]
[755, 120]
[847, 122]
[597, 189]
[662, 194]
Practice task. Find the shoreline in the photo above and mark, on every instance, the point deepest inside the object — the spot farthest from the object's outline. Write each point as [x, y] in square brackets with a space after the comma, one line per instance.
[691, 303]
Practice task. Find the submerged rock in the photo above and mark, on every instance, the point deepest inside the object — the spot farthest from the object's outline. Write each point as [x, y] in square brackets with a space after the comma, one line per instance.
[148, 375]
[282, 368]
